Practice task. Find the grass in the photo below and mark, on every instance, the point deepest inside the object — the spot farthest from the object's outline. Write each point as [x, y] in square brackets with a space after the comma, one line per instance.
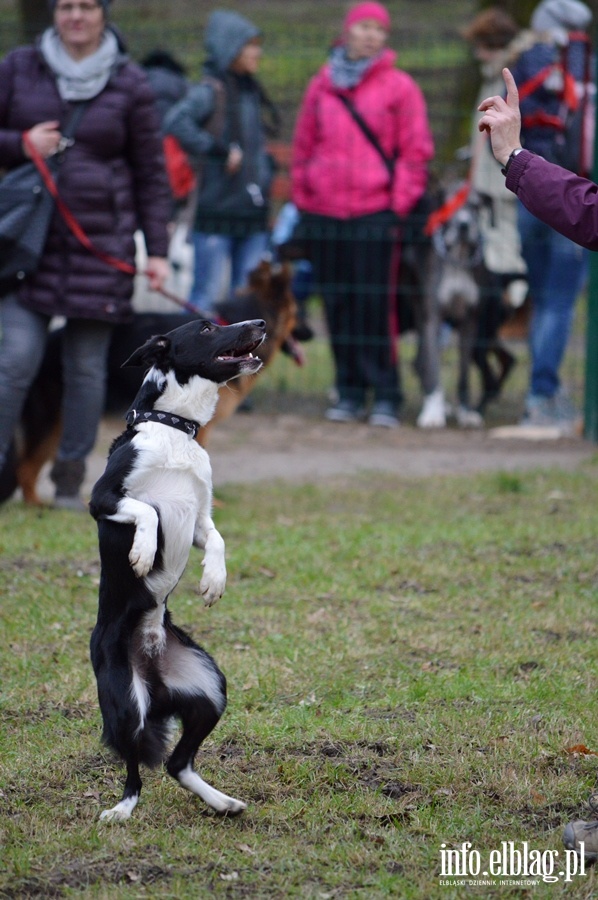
[408, 663]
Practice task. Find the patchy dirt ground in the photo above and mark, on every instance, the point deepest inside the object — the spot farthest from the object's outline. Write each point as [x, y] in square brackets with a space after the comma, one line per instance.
[258, 447]
[290, 447]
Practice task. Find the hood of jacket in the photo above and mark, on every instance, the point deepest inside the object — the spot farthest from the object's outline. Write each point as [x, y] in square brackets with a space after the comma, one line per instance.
[572, 15]
[226, 35]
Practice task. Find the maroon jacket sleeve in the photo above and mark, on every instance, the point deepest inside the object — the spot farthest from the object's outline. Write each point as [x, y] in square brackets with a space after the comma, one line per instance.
[556, 196]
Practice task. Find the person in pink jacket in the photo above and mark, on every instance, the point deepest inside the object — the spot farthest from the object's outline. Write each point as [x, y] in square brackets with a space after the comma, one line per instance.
[355, 175]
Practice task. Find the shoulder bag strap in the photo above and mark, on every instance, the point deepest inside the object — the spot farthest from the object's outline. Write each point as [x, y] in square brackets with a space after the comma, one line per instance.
[215, 121]
[72, 123]
[69, 129]
[372, 138]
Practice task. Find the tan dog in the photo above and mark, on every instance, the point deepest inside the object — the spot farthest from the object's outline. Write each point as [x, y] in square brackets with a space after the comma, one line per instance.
[268, 296]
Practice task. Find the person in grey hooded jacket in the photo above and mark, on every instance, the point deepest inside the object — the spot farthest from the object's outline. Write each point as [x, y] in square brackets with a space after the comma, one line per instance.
[222, 124]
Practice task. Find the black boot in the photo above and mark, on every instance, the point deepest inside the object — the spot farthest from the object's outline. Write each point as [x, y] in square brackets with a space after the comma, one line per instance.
[68, 475]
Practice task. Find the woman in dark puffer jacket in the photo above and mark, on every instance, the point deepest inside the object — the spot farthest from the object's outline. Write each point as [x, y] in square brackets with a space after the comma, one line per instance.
[113, 180]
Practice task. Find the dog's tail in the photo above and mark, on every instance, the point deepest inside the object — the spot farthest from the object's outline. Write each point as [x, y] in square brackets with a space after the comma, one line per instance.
[127, 730]
[130, 728]
[150, 746]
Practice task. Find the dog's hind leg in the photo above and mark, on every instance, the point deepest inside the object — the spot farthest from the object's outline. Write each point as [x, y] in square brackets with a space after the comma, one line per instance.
[199, 717]
[197, 691]
[122, 811]
[466, 416]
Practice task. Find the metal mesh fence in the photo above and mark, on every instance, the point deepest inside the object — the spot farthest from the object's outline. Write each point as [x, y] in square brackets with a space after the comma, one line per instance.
[427, 36]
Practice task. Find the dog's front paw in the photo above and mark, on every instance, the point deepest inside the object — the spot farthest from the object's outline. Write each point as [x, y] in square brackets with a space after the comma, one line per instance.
[212, 585]
[142, 553]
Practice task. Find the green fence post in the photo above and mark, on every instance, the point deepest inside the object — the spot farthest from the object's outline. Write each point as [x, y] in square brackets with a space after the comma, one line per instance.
[591, 377]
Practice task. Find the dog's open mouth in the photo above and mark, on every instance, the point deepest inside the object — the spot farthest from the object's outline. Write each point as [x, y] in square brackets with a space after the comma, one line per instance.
[241, 353]
[245, 352]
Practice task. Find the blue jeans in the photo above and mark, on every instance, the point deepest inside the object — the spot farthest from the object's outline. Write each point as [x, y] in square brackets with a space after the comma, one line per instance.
[557, 269]
[84, 352]
[222, 264]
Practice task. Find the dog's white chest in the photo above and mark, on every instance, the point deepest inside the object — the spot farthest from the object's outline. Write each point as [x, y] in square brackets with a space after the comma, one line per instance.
[173, 475]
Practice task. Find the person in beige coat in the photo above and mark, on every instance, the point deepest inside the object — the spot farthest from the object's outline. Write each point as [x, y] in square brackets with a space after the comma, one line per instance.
[497, 41]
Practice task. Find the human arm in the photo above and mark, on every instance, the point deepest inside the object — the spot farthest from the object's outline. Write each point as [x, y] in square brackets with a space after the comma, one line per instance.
[157, 270]
[556, 196]
[11, 142]
[144, 155]
[186, 122]
[501, 120]
[14, 120]
[45, 137]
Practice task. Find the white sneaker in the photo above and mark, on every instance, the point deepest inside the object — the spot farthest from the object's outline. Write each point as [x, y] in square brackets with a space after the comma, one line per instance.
[433, 413]
[468, 418]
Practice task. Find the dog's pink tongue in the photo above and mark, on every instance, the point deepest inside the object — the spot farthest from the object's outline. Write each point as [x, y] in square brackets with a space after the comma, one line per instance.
[296, 351]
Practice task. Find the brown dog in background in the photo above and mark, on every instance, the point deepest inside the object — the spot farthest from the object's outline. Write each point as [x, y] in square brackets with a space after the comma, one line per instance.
[268, 296]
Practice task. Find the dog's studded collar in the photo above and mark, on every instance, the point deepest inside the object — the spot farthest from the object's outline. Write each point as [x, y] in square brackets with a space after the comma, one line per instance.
[189, 426]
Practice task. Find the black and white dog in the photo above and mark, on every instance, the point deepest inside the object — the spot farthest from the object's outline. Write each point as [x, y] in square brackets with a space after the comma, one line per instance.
[151, 504]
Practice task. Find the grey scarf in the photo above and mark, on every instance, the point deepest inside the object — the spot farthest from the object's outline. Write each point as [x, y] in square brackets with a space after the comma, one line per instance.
[345, 72]
[80, 79]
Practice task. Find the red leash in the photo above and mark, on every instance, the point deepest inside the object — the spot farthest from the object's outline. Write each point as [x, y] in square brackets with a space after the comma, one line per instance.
[83, 238]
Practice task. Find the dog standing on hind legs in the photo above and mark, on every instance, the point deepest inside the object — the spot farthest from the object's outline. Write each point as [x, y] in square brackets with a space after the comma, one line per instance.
[153, 503]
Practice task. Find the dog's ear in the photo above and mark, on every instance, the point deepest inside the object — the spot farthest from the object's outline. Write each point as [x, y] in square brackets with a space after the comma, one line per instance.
[151, 353]
[281, 276]
[259, 277]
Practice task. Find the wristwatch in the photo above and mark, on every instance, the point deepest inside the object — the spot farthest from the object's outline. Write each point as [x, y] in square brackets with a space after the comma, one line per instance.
[512, 156]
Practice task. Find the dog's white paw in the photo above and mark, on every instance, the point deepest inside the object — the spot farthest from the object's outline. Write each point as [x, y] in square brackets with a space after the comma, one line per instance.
[117, 814]
[212, 586]
[232, 807]
[433, 413]
[143, 551]
[122, 811]
[220, 802]
[468, 418]
[141, 560]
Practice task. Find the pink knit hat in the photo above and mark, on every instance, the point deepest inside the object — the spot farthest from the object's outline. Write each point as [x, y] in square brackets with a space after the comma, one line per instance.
[367, 11]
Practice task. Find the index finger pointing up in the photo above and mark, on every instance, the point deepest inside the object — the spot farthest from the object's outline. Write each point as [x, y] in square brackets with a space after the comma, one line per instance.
[512, 92]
